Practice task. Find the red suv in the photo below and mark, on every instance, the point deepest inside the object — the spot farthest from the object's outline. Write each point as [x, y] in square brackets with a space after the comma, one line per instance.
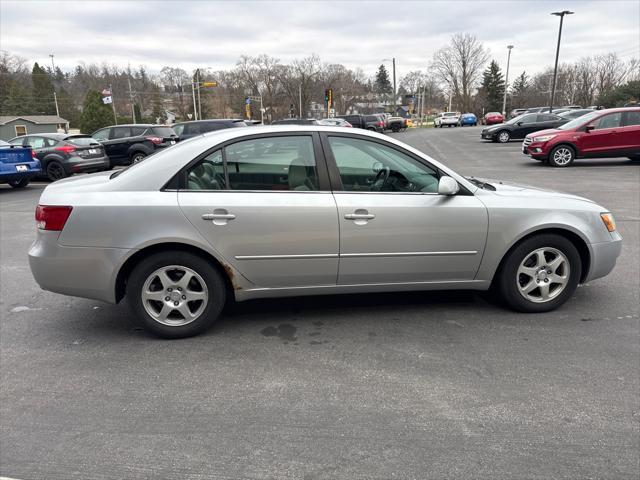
[493, 118]
[603, 133]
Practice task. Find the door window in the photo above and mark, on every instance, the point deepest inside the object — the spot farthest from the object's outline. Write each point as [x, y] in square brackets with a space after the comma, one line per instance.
[136, 131]
[367, 166]
[207, 174]
[528, 119]
[102, 135]
[272, 163]
[120, 132]
[609, 121]
[631, 119]
[545, 117]
[36, 142]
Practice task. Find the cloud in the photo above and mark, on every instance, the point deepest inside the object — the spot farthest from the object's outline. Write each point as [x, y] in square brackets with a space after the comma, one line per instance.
[360, 34]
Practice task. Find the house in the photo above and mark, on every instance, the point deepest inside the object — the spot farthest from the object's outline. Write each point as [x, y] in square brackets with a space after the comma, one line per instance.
[14, 126]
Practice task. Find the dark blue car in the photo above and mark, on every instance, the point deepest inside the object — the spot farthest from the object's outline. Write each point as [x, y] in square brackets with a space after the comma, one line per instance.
[17, 165]
[468, 119]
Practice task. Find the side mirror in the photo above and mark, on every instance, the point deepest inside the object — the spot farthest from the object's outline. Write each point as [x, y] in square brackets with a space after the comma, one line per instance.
[447, 186]
[588, 128]
[519, 123]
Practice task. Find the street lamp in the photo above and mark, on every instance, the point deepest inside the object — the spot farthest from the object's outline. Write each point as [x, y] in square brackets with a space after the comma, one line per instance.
[393, 60]
[555, 68]
[506, 84]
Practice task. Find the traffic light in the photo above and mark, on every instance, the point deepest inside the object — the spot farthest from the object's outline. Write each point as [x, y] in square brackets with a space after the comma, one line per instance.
[326, 95]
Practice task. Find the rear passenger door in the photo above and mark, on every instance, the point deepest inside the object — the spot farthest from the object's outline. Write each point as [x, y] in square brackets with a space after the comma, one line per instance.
[265, 205]
[630, 132]
[117, 145]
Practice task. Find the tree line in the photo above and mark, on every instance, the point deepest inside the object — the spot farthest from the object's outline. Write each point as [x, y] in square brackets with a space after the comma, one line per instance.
[462, 73]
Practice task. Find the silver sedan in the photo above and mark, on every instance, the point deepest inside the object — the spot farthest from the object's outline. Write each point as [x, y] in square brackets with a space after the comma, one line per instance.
[292, 210]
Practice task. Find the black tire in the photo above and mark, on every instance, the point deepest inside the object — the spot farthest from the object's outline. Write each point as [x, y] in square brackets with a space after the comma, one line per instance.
[503, 136]
[55, 171]
[507, 278]
[562, 156]
[215, 289]
[23, 182]
[137, 157]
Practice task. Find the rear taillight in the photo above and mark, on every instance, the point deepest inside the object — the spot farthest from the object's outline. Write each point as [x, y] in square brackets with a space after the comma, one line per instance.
[52, 217]
[65, 149]
[155, 140]
[381, 124]
[33, 153]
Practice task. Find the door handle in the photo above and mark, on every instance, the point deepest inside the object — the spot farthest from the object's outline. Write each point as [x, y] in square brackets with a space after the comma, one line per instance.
[218, 216]
[359, 216]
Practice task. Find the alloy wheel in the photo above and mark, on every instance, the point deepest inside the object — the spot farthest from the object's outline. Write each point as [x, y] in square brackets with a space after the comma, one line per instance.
[174, 295]
[562, 156]
[543, 275]
[55, 171]
[503, 137]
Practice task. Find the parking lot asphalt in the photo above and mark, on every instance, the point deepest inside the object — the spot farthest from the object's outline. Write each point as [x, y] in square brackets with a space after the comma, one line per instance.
[408, 386]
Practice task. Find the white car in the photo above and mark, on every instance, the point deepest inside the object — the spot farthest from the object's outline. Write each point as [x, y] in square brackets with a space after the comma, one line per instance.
[448, 119]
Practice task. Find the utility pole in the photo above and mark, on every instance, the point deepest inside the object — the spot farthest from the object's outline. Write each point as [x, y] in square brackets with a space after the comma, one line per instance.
[555, 68]
[506, 84]
[133, 109]
[53, 66]
[300, 98]
[394, 86]
[193, 93]
[199, 102]
[113, 105]
[55, 99]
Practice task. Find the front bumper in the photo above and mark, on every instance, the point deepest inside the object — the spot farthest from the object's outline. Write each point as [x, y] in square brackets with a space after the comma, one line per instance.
[603, 257]
[487, 135]
[88, 272]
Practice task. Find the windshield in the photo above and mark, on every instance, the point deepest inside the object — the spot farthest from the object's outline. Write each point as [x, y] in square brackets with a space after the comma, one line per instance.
[576, 122]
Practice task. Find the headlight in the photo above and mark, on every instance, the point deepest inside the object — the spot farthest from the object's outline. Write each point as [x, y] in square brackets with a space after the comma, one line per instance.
[543, 138]
[609, 221]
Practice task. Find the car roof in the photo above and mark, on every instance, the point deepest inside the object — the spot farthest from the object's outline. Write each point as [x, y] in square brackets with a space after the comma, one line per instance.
[214, 120]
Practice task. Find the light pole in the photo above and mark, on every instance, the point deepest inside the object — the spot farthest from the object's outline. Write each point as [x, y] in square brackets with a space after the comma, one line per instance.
[53, 66]
[555, 68]
[506, 84]
[393, 60]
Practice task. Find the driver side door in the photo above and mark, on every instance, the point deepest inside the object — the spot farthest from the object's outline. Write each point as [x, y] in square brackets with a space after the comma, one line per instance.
[394, 227]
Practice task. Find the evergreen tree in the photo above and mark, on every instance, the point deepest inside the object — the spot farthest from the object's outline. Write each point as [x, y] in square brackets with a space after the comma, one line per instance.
[18, 101]
[519, 91]
[42, 91]
[95, 114]
[382, 84]
[493, 87]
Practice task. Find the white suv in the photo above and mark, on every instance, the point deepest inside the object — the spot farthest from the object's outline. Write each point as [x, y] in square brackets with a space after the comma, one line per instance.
[448, 119]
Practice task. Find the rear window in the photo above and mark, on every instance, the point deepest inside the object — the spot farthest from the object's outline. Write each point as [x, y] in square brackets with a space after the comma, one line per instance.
[452, 114]
[164, 131]
[178, 128]
[81, 141]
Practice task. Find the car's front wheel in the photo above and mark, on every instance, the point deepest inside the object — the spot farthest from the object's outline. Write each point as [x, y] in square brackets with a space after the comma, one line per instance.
[562, 156]
[176, 294]
[503, 136]
[540, 274]
[23, 182]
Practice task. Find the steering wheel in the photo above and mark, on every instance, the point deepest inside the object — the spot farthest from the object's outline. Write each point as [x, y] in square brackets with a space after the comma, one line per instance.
[381, 179]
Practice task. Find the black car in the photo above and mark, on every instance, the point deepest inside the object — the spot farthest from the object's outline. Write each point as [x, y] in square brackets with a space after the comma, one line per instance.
[194, 128]
[520, 127]
[356, 120]
[571, 114]
[295, 121]
[61, 154]
[126, 144]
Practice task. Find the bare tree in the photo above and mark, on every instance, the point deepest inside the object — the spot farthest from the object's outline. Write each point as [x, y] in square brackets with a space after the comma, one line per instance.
[459, 66]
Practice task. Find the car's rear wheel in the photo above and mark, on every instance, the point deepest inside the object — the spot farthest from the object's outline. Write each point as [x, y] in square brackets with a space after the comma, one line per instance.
[19, 183]
[137, 157]
[540, 274]
[562, 156]
[176, 294]
[55, 171]
[503, 136]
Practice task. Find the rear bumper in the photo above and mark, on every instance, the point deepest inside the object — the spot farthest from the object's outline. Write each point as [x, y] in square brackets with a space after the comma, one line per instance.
[81, 165]
[87, 272]
[603, 257]
[9, 171]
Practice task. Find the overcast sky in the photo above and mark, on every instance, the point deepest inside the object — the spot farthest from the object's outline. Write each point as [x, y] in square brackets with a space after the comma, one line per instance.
[360, 34]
